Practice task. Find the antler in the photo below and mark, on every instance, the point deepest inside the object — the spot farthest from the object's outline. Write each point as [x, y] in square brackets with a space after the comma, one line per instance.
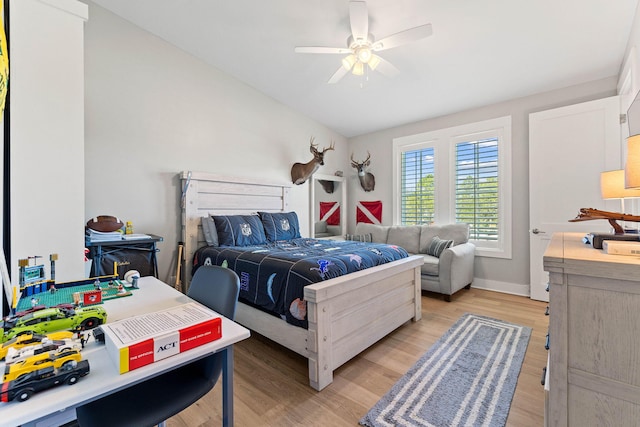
[314, 147]
[331, 147]
[587, 214]
[356, 163]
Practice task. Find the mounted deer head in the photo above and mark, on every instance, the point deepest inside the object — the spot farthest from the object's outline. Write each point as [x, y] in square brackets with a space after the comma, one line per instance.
[300, 172]
[367, 180]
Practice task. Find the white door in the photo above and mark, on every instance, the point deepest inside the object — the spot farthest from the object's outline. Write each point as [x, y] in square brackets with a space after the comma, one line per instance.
[568, 148]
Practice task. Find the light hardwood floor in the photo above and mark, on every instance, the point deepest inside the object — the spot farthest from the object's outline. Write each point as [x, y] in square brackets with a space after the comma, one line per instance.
[271, 384]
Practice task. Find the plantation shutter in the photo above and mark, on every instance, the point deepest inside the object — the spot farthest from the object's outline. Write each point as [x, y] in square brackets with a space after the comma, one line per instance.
[477, 188]
[417, 187]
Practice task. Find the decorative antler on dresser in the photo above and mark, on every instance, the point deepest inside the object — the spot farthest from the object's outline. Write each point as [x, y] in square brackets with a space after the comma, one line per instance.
[588, 214]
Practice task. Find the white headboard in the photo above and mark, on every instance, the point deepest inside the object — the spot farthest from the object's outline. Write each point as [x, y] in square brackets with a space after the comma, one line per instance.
[205, 193]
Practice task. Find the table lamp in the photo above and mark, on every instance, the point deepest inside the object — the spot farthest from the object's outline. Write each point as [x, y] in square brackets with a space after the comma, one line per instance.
[612, 186]
[632, 165]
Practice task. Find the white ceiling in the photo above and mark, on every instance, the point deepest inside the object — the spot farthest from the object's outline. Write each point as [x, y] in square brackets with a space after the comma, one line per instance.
[480, 53]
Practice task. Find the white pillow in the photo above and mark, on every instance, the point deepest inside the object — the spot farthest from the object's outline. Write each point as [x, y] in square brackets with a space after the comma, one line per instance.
[209, 231]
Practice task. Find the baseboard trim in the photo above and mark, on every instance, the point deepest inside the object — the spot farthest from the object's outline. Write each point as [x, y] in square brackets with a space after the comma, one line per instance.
[504, 287]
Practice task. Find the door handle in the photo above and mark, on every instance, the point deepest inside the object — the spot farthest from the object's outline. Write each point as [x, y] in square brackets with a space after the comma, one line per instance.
[536, 231]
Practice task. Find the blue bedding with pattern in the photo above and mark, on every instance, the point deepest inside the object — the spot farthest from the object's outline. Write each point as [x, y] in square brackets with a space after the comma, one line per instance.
[273, 275]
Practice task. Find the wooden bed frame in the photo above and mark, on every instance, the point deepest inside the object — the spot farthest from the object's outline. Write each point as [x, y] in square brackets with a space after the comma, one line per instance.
[346, 314]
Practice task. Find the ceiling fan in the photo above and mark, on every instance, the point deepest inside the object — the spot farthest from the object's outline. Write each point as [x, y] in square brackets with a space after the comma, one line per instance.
[361, 45]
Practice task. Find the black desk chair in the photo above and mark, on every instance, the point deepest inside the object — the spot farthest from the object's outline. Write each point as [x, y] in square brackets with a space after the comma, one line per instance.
[157, 399]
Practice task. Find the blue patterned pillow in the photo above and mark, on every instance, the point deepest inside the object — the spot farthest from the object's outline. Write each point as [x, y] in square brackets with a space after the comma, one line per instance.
[280, 226]
[239, 230]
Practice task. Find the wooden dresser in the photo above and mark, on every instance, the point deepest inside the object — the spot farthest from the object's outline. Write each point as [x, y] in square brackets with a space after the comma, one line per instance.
[594, 335]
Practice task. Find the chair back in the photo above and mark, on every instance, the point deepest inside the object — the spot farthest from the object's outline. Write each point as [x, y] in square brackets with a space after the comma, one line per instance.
[217, 288]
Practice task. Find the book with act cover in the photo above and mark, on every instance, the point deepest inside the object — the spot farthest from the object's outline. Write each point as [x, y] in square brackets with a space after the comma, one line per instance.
[138, 341]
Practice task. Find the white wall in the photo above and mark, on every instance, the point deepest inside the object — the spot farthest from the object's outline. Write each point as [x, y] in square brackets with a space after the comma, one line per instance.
[47, 143]
[153, 110]
[500, 274]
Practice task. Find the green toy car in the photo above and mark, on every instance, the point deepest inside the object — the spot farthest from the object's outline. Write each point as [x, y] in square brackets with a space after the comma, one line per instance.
[53, 319]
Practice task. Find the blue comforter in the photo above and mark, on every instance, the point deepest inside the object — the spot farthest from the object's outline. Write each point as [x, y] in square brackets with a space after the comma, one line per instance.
[272, 276]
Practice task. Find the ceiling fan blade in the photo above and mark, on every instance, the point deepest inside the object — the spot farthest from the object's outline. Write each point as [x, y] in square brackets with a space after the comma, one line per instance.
[403, 37]
[386, 68]
[321, 49]
[338, 75]
[359, 18]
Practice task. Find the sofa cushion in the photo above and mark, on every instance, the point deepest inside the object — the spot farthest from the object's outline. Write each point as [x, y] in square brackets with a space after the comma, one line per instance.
[320, 227]
[458, 232]
[379, 233]
[405, 236]
[437, 246]
[359, 237]
[431, 266]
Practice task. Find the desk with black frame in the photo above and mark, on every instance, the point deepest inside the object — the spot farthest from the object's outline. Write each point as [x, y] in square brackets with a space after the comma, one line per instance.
[57, 405]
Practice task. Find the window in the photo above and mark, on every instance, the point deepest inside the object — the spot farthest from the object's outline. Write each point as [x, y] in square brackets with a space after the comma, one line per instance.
[459, 174]
[476, 192]
[418, 187]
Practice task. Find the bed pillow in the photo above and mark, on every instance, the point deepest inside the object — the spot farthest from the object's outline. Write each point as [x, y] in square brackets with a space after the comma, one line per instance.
[239, 230]
[437, 246]
[280, 226]
[209, 231]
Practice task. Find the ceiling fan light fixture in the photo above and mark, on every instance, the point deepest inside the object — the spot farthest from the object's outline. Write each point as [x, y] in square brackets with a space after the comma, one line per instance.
[358, 69]
[348, 62]
[359, 55]
[364, 54]
[373, 62]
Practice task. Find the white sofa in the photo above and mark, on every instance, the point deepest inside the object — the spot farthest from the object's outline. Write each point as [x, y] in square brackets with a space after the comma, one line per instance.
[447, 273]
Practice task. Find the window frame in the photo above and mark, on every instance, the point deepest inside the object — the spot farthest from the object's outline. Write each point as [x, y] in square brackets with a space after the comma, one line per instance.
[444, 142]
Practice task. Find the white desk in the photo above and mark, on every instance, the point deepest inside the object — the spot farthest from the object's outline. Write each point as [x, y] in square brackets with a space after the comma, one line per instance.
[104, 379]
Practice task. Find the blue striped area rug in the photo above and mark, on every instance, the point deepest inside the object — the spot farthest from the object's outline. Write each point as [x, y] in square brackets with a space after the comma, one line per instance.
[467, 378]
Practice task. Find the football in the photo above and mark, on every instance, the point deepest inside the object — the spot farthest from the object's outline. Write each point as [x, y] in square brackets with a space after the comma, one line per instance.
[105, 223]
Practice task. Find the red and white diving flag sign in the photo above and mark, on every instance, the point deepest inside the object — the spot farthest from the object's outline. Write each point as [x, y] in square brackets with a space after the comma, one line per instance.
[369, 212]
[330, 212]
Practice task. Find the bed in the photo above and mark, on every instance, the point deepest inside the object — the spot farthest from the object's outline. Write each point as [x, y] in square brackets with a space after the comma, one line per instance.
[388, 295]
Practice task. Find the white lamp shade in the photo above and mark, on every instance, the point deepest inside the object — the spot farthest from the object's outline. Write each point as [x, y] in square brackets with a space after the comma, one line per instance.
[358, 69]
[374, 62]
[632, 167]
[348, 61]
[612, 186]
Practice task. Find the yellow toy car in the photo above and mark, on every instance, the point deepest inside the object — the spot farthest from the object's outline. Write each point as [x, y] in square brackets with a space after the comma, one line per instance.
[25, 340]
[67, 358]
[47, 345]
